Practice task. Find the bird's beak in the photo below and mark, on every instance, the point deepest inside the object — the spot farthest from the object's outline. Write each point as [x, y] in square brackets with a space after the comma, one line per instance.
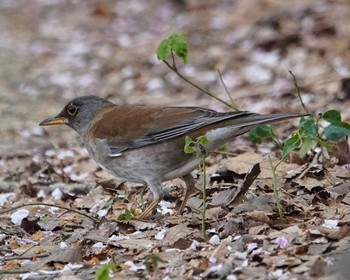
[54, 121]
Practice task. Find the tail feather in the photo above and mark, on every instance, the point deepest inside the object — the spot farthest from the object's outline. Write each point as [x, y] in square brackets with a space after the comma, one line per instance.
[257, 119]
[220, 136]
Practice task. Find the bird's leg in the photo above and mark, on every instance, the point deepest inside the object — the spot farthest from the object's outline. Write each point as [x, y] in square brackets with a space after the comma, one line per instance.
[158, 194]
[189, 181]
[148, 211]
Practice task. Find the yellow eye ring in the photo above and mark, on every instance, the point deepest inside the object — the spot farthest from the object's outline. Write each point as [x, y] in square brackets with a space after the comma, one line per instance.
[72, 110]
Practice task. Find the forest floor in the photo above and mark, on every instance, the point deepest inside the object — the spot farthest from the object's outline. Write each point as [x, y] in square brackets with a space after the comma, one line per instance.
[53, 51]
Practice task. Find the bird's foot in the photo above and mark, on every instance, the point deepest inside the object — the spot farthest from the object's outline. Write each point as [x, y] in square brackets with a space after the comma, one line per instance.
[148, 211]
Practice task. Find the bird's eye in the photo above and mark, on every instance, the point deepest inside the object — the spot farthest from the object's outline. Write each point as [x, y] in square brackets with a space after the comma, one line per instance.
[72, 110]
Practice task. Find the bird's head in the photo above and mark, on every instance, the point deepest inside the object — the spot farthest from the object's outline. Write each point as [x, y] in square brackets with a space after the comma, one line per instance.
[79, 113]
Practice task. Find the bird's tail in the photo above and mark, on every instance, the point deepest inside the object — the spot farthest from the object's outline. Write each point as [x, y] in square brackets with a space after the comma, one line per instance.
[241, 125]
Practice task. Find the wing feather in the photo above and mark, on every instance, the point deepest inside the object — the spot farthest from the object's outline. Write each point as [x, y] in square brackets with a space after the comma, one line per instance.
[118, 131]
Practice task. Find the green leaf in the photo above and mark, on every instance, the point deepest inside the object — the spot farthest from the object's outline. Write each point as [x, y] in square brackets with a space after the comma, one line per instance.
[188, 140]
[223, 148]
[291, 144]
[309, 126]
[177, 43]
[257, 134]
[325, 145]
[164, 50]
[102, 273]
[332, 116]
[189, 150]
[337, 129]
[334, 132]
[189, 145]
[203, 140]
[307, 145]
[152, 261]
[126, 216]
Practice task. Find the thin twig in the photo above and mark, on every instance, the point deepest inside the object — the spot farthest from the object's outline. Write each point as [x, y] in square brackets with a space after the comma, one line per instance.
[24, 258]
[173, 68]
[200, 152]
[298, 91]
[227, 91]
[5, 272]
[174, 63]
[49, 205]
[275, 190]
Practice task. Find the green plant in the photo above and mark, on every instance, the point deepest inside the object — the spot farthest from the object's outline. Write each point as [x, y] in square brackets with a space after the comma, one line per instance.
[311, 132]
[197, 147]
[310, 135]
[102, 273]
[177, 44]
[127, 215]
[152, 261]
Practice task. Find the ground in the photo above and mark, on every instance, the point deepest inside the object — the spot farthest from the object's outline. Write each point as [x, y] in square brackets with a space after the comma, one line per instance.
[53, 51]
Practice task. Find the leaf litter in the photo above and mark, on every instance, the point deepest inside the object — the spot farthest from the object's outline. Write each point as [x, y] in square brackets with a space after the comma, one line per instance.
[314, 200]
[246, 237]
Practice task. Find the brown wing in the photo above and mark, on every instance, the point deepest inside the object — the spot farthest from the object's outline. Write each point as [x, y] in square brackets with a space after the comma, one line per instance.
[124, 128]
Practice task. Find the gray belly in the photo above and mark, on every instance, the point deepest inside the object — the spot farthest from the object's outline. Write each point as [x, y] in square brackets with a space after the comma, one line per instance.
[146, 164]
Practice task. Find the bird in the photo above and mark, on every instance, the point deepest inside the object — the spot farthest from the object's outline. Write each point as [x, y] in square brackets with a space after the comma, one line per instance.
[145, 144]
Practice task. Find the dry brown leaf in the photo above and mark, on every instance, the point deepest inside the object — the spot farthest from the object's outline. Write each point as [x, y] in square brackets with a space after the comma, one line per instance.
[259, 216]
[281, 261]
[176, 232]
[200, 264]
[307, 263]
[66, 255]
[339, 172]
[134, 244]
[38, 235]
[97, 197]
[142, 225]
[223, 197]
[182, 243]
[242, 163]
[317, 249]
[92, 262]
[220, 253]
[258, 229]
[346, 199]
[12, 265]
[335, 234]
[263, 203]
[215, 213]
[340, 190]
[310, 183]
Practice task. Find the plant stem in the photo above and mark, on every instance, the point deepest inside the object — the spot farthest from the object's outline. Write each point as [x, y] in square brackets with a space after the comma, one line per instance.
[204, 182]
[202, 170]
[174, 69]
[234, 106]
[298, 91]
[275, 190]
